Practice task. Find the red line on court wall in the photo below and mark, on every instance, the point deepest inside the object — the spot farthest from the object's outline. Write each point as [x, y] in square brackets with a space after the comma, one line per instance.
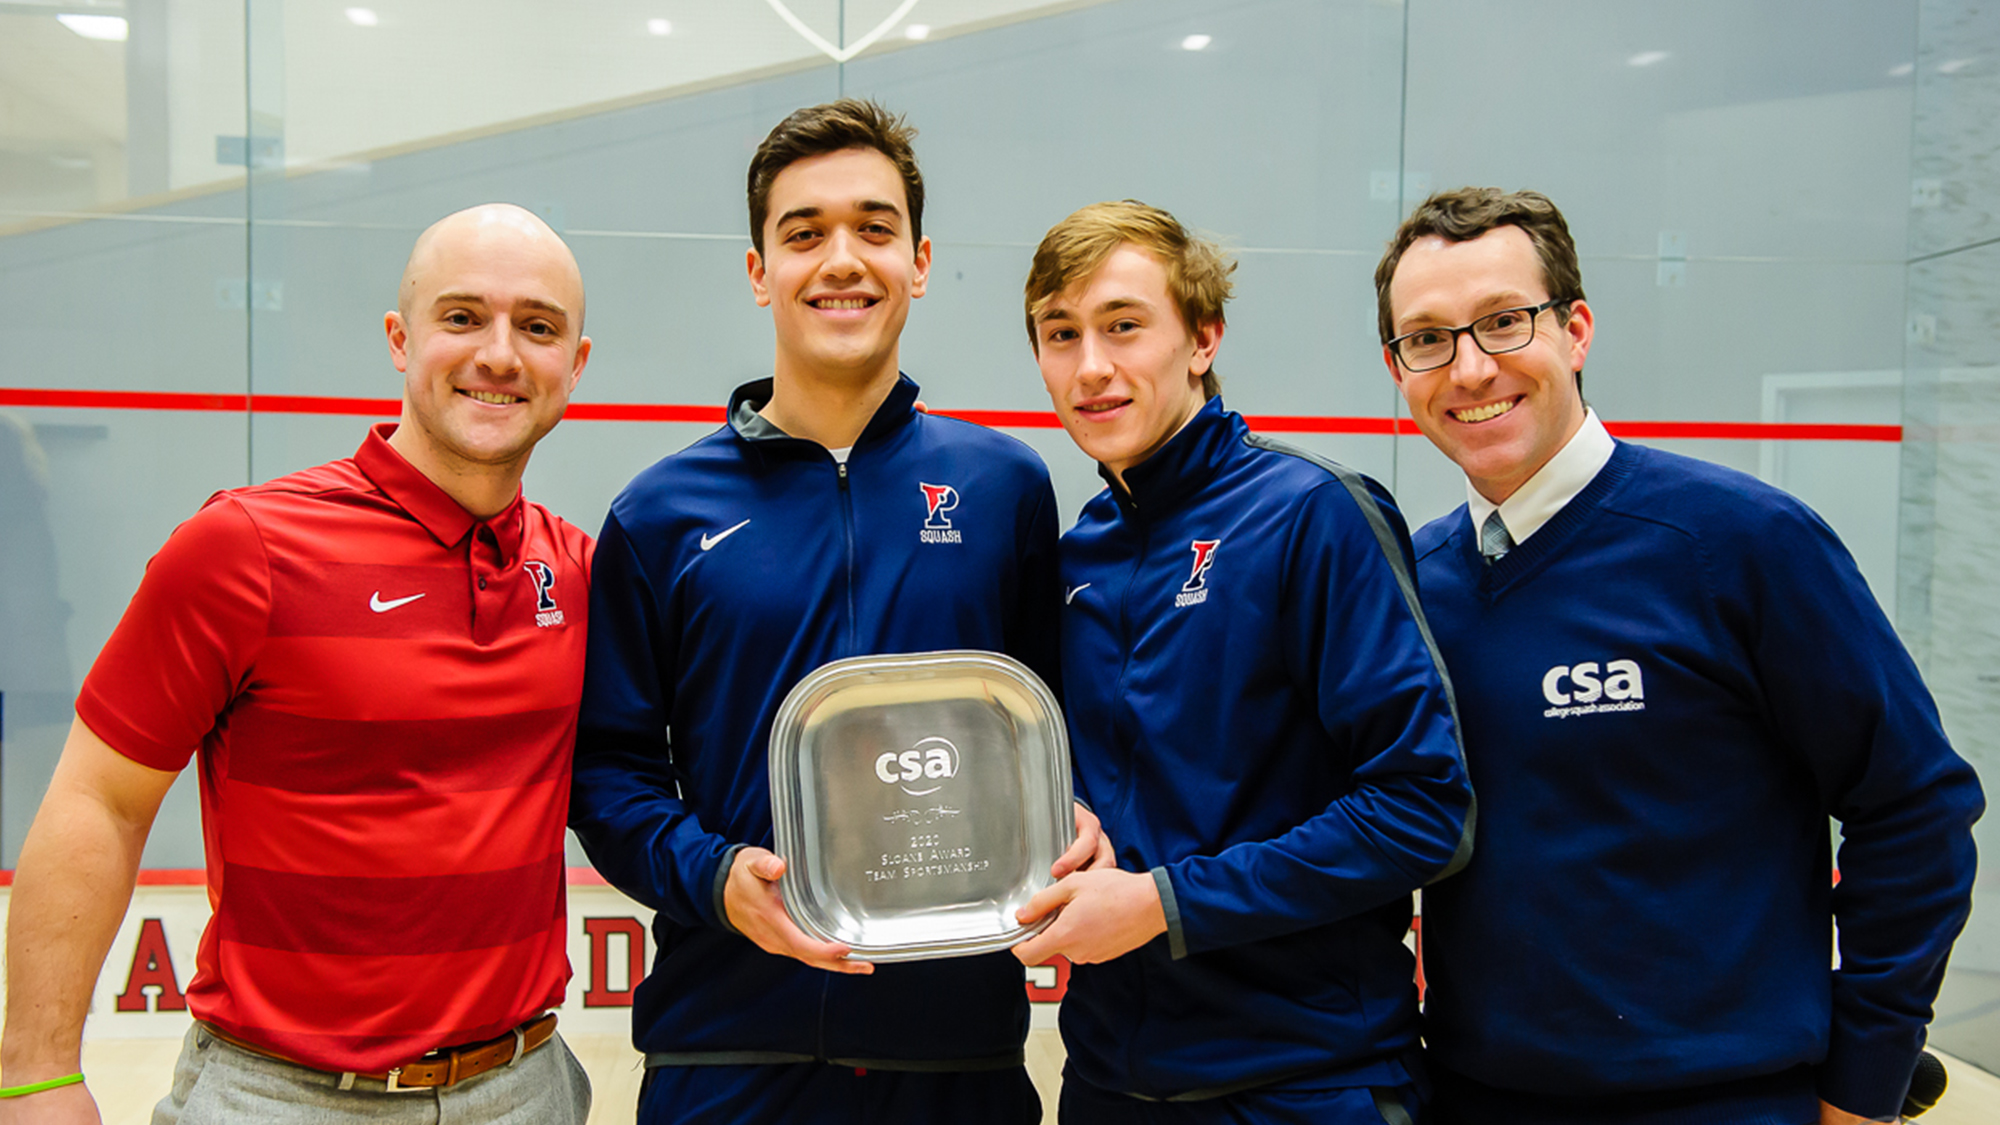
[1755, 431]
[1017, 419]
[1309, 424]
[1012, 419]
[308, 404]
[123, 400]
[643, 412]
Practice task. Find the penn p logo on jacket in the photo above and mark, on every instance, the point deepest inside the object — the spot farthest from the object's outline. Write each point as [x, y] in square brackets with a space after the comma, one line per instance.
[1195, 590]
[939, 499]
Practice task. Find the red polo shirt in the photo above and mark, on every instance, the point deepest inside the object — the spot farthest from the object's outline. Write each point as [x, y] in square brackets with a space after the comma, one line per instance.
[383, 692]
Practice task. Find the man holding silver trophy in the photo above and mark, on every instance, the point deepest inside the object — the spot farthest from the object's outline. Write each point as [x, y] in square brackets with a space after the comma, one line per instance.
[1258, 715]
[828, 519]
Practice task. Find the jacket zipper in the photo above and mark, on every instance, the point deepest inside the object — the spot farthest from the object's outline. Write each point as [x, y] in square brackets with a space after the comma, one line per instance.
[853, 648]
[847, 529]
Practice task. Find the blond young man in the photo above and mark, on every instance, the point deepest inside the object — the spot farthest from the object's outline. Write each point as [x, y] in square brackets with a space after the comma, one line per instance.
[1254, 709]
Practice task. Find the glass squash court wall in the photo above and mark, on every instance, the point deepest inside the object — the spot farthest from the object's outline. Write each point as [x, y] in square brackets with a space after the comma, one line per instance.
[1783, 209]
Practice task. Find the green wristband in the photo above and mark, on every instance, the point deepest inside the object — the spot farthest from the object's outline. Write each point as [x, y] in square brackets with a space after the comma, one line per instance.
[38, 1087]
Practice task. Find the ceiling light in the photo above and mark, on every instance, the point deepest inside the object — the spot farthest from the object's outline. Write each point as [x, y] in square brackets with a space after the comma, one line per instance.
[1196, 42]
[110, 28]
[1903, 71]
[917, 31]
[660, 27]
[1648, 58]
[363, 17]
[1953, 66]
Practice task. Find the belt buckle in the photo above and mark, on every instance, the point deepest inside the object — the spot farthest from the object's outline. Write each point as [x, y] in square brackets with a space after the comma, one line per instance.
[395, 1085]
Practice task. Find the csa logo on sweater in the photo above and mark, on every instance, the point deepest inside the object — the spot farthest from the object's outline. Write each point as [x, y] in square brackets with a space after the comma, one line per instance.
[547, 613]
[1586, 689]
[1195, 590]
[939, 499]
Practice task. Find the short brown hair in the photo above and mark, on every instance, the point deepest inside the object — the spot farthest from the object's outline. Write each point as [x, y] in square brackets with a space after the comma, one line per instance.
[1464, 214]
[819, 129]
[1074, 249]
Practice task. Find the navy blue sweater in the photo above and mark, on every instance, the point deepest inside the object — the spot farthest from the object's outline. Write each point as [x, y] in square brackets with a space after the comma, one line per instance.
[1259, 720]
[724, 575]
[1666, 692]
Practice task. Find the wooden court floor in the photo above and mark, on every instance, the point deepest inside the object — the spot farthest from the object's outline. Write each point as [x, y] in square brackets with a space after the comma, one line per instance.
[129, 1075]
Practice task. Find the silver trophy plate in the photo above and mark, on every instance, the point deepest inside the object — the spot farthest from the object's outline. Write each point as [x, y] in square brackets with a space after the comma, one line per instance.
[919, 801]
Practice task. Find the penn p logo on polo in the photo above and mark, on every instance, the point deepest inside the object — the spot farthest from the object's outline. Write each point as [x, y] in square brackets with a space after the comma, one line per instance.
[922, 769]
[938, 500]
[1195, 590]
[547, 613]
[1587, 688]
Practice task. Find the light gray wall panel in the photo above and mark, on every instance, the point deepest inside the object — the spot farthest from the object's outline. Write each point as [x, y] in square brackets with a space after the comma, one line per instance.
[126, 305]
[117, 484]
[1267, 136]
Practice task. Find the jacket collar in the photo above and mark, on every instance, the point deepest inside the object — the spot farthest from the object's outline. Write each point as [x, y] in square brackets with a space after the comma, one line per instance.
[750, 426]
[419, 496]
[1179, 468]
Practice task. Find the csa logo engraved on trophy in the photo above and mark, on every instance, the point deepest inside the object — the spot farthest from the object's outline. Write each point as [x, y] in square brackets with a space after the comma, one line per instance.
[930, 760]
[918, 799]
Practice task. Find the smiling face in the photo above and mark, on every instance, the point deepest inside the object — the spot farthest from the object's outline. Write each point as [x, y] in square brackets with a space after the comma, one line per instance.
[1122, 369]
[488, 335]
[1499, 417]
[839, 267]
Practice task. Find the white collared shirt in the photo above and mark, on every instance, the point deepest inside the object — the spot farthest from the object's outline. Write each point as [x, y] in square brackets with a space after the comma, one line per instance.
[1552, 487]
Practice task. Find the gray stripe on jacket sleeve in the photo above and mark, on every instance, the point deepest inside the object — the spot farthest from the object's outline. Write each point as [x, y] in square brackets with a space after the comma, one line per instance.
[1357, 487]
[721, 883]
[1171, 907]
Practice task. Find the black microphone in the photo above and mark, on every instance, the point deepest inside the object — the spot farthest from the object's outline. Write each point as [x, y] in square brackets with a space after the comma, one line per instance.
[1927, 1085]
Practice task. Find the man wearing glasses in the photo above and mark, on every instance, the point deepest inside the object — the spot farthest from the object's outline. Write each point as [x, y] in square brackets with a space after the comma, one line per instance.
[1670, 675]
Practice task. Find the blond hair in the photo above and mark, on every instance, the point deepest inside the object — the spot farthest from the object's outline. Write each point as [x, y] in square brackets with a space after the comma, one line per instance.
[1074, 249]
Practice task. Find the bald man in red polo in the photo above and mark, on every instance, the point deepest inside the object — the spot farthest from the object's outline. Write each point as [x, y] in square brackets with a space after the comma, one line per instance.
[375, 665]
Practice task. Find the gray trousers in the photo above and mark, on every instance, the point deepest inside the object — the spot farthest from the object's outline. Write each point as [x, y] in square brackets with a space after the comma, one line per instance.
[215, 1082]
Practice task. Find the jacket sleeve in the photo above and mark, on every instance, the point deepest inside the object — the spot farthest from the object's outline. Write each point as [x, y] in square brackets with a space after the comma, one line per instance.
[1844, 696]
[624, 800]
[1354, 641]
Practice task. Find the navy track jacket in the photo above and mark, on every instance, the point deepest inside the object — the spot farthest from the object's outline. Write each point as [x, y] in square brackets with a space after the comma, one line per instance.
[1259, 720]
[1667, 690]
[725, 574]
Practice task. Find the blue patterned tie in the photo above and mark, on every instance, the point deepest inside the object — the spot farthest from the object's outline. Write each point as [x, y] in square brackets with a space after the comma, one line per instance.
[1493, 538]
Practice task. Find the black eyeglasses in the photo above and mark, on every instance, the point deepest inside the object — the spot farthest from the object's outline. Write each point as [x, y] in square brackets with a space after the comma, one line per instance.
[1508, 330]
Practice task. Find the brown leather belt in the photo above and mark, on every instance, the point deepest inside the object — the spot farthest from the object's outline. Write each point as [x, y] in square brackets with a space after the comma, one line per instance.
[440, 1068]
